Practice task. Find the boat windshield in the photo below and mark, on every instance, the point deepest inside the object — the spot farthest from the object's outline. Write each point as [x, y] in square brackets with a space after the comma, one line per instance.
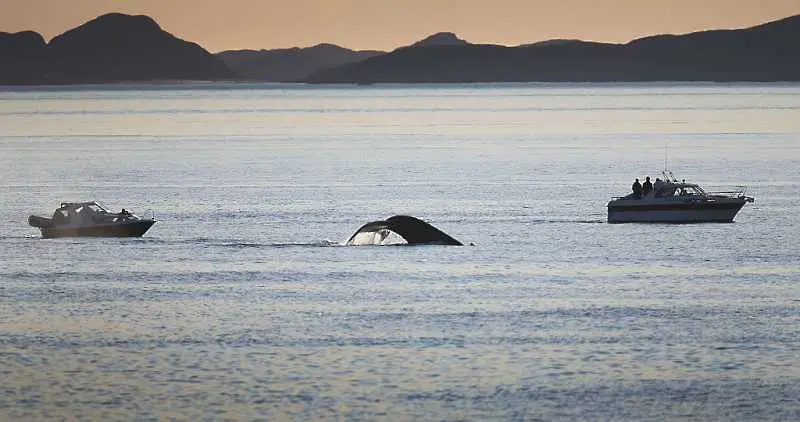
[89, 208]
[684, 189]
[96, 208]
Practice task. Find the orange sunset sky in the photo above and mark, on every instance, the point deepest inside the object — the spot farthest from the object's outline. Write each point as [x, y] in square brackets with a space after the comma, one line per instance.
[387, 24]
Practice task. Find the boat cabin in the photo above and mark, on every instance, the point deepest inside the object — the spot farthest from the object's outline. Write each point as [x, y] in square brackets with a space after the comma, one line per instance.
[86, 213]
[668, 189]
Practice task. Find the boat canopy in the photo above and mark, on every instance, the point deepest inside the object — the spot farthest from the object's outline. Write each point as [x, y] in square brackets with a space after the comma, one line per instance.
[93, 205]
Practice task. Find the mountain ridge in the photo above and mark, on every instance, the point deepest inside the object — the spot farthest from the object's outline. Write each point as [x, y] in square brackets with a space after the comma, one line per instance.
[765, 52]
[440, 38]
[116, 47]
[111, 48]
[290, 64]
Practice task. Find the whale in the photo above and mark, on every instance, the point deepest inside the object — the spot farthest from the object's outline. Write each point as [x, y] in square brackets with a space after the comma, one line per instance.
[411, 229]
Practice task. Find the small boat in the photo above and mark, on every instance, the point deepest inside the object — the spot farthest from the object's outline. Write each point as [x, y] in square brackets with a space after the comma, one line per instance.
[673, 201]
[74, 219]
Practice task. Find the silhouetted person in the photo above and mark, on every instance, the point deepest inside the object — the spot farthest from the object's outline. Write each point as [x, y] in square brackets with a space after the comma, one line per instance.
[637, 189]
[658, 186]
[647, 186]
[683, 189]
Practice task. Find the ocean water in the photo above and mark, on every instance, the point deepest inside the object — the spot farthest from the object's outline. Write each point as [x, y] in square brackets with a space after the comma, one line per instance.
[241, 303]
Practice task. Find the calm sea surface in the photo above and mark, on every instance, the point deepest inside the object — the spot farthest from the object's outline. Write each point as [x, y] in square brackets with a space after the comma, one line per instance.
[241, 304]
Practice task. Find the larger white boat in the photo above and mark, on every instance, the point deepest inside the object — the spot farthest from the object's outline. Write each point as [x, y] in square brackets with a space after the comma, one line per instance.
[73, 219]
[674, 201]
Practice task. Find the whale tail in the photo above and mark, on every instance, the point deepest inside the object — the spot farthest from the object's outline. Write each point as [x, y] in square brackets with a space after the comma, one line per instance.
[411, 229]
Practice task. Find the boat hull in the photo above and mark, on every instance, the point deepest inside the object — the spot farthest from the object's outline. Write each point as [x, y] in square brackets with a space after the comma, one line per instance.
[128, 229]
[638, 211]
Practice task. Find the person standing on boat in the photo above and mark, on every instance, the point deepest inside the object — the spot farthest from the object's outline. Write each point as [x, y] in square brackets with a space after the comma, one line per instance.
[637, 189]
[658, 186]
[647, 186]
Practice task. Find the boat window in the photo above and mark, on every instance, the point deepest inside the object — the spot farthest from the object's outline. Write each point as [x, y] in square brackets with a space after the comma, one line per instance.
[61, 215]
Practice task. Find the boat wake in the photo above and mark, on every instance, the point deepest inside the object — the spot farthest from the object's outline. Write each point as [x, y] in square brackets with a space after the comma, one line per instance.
[567, 221]
[239, 243]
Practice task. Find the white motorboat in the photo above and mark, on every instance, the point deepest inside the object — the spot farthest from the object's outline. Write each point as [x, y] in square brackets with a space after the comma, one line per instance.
[73, 219]
[673, 201]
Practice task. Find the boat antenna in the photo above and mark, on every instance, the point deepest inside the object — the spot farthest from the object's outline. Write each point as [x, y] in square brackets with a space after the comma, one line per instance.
[667, 172]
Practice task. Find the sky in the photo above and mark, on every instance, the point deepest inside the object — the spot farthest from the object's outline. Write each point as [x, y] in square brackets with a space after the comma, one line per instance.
[388, 24]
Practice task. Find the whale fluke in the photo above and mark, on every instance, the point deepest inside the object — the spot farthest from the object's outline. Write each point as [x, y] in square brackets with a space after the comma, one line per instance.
[413, 230]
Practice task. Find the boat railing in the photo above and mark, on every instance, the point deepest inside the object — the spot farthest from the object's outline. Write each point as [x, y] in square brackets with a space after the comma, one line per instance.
[737, 192]
[669, 177]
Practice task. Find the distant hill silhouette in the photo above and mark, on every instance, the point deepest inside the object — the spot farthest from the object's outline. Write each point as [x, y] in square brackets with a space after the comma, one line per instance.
[290, 64]
[111, 48]
[440, 38]
[23, 55]
[123, 48]
[557, 41]
[768, 52]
